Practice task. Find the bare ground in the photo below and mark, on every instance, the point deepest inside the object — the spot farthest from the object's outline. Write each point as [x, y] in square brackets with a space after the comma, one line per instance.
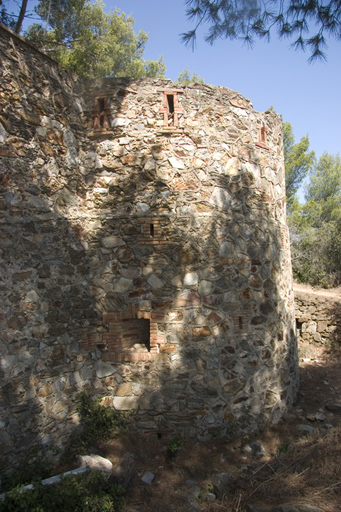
[331, 293]
[298, 467]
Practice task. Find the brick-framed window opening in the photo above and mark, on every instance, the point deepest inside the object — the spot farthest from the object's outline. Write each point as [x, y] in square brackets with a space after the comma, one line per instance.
[151, 231]
[262, 142]
[131, 335]
[170, 108]
[101, 114]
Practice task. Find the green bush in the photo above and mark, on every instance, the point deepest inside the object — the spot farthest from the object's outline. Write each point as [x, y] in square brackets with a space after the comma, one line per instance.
[82, 493]
[36, 465]
[97, 423]
[316, 256]
[174, 446]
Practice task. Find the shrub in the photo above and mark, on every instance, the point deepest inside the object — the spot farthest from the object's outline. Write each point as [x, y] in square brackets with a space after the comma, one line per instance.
[82, 493]
[174, 446]
[97, 423]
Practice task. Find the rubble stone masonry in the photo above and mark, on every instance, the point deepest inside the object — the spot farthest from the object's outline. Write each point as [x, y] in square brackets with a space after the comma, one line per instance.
[144, 254]
[317, 316]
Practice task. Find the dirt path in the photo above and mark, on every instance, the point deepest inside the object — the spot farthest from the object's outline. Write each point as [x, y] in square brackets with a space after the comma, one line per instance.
[332, 293]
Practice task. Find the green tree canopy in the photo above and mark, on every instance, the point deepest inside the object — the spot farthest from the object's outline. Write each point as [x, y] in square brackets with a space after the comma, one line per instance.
[316, 226]
[6, 18]
[299, 161]
[309, 22]
[323, 193]
[86, 40]
[186, 77]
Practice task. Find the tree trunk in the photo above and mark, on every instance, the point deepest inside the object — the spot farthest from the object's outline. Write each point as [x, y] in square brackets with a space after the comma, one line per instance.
[21, 17]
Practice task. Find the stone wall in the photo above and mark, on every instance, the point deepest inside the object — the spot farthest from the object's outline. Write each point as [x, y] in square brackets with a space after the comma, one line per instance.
[144, 254]
[317, 316]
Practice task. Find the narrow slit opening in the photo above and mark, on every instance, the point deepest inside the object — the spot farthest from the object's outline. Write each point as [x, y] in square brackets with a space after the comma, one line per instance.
[101, 108]
[298, 327]
[170, 101]
[151, 229]
[240, 321]
[262, 135]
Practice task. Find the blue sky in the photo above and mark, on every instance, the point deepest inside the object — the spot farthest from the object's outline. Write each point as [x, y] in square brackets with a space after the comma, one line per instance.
[306, 95]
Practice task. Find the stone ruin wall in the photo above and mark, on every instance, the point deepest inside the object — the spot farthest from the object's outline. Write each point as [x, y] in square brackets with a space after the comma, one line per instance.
[317, 317]
[144, 254]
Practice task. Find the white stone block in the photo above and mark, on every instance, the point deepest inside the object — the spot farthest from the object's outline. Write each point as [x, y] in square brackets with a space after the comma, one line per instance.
[125, 403]
[191, 279]
[104, 369]
[177, 164]
[95, 463]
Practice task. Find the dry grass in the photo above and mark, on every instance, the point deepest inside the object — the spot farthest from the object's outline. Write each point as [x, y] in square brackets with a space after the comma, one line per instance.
[297, 469]
[309, 473]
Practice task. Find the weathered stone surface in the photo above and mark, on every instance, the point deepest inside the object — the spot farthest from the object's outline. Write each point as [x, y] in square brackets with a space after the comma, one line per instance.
[257, 449]
[154, 281]
[187, 299]
[176, 163]
[103, 369]
[316, 316]
[201, 331]
[125, 403]
[32, 296]
[148, 477]
[220, 198]
[191, 278]
[112, 241]
[240, 102]
[220, 483]
[3, 134]
[125, 389]
[123, 285]
[254, 508]
[96, 463]
[335, 408]
[306, 428]
[140, 265]
[297, 508]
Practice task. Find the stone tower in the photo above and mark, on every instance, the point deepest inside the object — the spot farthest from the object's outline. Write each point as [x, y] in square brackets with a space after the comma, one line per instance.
[144, 251]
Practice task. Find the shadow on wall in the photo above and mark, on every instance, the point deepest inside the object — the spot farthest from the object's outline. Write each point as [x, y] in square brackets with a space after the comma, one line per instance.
[129, 272]
[335, 334]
